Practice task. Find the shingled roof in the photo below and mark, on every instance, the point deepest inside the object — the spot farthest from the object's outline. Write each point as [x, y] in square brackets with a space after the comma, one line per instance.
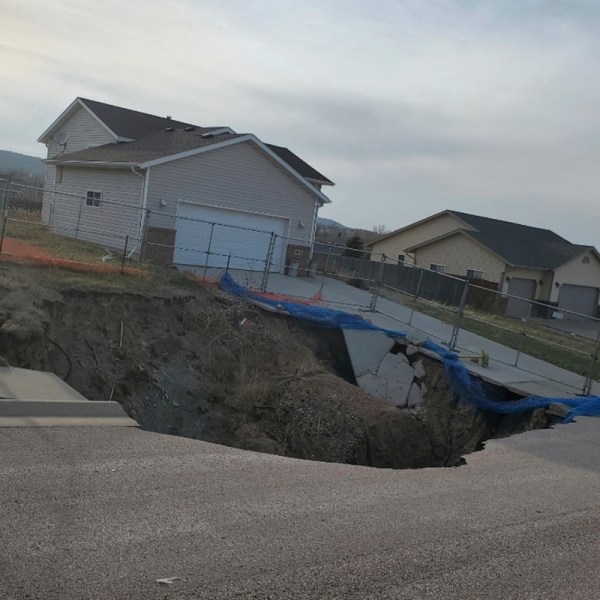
[156, 145]
[144, 137]
[133, 124]
[518, 245]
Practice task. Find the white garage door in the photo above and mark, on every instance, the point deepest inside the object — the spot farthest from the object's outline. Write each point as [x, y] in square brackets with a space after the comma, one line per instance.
[206, 233]
[578, 298]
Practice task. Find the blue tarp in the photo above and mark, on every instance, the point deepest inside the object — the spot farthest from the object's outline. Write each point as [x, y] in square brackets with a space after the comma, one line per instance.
[469, 389]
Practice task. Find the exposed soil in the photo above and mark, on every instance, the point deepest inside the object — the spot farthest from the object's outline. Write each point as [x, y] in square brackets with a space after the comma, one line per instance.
[181, 359]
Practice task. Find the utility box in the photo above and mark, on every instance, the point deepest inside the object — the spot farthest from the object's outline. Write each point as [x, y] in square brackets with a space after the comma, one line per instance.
[301, 254]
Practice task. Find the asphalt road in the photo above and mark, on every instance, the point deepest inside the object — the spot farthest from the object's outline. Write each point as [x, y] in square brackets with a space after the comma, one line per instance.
[102, 513]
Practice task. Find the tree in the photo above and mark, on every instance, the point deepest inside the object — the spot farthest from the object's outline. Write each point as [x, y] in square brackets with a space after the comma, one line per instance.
[354, 247]
[380, 229]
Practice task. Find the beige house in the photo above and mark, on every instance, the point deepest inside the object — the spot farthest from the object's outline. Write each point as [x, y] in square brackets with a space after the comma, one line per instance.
[183, 194]
[523, 261]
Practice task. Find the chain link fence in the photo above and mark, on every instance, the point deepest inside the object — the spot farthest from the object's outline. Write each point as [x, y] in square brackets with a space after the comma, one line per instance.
[62, 229]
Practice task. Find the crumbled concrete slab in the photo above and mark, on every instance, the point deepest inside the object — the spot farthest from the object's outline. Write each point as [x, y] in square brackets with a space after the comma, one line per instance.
[558, 409]
[366, 349]
[412, 350]
[373, 385]
[397, 394]
[396, 368]
[415, 396]
[419, 369]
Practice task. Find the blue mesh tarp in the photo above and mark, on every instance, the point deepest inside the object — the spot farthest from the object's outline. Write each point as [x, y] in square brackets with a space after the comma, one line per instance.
[468, 389]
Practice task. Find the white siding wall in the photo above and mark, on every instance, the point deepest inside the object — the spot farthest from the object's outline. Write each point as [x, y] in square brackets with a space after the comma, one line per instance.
[84, 132]
[107, 224]
[576, 272]
[240, 177]
[459, 253]
[397, 244]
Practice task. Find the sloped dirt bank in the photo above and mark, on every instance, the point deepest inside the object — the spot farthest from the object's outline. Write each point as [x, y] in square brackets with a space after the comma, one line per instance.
[190, 361]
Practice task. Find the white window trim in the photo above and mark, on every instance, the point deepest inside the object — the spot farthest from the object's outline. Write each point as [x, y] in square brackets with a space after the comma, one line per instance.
[436, 268]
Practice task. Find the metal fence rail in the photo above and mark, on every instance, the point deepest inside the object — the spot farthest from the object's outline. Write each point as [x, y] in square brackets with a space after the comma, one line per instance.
[68, 230]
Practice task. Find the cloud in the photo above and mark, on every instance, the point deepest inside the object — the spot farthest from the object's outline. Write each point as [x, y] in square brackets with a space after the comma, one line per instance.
[411, 107]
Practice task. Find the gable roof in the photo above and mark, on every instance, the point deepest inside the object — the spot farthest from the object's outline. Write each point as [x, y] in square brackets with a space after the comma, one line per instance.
[297, 163]
[132, 124]
[506, 229]
[128, 125]
[484, 225]
[516, 252]
[166, 146]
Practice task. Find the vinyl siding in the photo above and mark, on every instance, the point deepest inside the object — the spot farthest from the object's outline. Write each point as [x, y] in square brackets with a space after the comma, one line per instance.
[238, 177]
[107, 224]
[84, 132]
[397, 244]
[576, 273]
[459, 254]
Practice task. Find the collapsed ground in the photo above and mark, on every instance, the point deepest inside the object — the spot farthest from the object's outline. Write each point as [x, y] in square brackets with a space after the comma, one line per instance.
[188, 360]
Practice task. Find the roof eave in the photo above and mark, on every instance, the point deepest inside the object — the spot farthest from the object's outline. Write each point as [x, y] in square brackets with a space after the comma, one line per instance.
[91, 163]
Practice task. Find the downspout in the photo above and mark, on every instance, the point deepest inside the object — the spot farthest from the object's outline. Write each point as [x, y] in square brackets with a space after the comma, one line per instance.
[143, 201]
[314, 227]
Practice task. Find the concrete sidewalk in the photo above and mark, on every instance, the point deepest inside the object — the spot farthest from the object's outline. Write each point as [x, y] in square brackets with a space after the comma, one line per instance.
[532, 376]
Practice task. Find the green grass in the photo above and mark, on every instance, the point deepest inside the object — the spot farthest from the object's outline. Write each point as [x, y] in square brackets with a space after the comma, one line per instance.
[569, 352]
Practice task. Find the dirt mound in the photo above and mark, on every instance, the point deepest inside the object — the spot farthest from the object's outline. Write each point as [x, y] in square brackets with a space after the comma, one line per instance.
[183, 359]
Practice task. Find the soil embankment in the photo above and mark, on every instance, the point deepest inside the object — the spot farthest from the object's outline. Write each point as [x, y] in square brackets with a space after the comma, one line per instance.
[187, 360]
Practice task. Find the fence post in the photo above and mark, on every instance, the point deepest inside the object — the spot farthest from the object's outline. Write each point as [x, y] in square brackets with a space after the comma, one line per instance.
[268, 261]
[78, 219]
[212, 228]
[587, 386]
[375, 295]
[228, 261]
[523, 333]
[319, 295]
[415, 297]
[4, 212]
[124, 253]
[461, 309]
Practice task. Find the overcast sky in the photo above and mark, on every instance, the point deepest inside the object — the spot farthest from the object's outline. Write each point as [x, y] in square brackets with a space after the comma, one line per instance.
[410, 106]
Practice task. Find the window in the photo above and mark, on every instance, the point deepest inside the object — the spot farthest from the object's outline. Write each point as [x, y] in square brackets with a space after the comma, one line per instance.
[400, 258]
[585, 260]
[437, 268]
[474, 274]
[93, 198]
[59, 174]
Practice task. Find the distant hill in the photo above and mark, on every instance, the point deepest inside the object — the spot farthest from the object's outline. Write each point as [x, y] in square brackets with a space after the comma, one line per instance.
[329, 223]
[19, 167]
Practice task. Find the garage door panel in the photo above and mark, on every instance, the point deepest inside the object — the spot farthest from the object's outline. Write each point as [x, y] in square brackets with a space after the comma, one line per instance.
[210, 235]
[579, 299]
[523, 288]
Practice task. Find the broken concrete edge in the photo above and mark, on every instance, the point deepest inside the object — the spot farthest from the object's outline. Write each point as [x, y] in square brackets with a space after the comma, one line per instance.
[36, 412]
[6, 422]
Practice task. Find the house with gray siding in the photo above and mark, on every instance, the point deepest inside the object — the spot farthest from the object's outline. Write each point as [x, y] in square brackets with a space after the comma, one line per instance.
[181, 194]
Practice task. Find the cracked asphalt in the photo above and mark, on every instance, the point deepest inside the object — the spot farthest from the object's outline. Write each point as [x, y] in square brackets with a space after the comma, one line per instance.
[102, 513]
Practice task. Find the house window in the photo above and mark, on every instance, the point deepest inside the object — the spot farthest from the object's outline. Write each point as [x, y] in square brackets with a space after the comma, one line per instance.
[437, 268]
[93, 198]
[59, 174]
[474, 274]
[400, 259]
[585, 260]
